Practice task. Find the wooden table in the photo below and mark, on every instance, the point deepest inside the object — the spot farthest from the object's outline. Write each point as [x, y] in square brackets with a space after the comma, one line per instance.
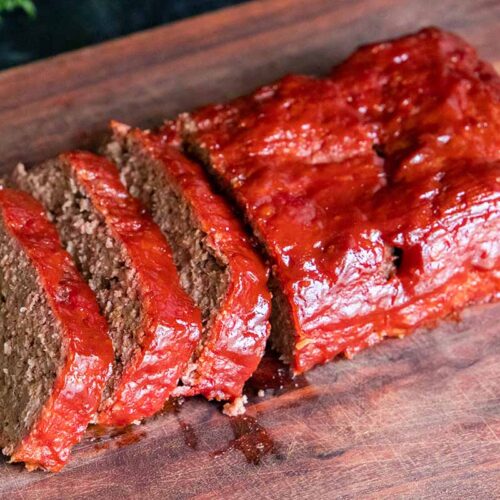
[412, 418]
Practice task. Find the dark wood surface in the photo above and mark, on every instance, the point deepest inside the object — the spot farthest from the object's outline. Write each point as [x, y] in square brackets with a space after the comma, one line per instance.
[411, 418]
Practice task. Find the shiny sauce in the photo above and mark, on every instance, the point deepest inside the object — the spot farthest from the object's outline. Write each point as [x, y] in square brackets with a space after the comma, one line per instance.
[375, 191]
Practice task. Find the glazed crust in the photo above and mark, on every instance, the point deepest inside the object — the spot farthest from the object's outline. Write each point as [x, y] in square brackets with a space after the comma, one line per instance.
[375, 191]
[77, 390]
[239, 330]
[171, 323]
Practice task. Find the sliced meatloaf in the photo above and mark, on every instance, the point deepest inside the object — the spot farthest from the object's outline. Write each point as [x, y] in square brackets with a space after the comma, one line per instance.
[154, 324]
[215, 260]
[55, 352]
[375, 192]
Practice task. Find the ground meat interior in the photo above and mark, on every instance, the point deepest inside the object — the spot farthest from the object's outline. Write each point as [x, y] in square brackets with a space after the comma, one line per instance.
[30, 344]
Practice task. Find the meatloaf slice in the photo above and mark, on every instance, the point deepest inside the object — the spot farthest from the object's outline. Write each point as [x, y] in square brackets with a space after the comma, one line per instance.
[55, 352]
[215, 260]
[154, 324]
[375, 192]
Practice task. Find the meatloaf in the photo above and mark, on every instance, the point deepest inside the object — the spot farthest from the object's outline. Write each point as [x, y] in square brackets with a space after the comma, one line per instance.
[375, 191]
[55, 352]
[154, 324]
[215, 260]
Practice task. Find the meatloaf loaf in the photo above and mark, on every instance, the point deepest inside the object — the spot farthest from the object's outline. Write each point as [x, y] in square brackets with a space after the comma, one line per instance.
[375, 191]
[55, 352]
[154, 324]
[215, 260]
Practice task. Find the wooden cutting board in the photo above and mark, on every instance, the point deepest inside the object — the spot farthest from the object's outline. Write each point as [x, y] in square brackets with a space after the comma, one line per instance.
[411, 418]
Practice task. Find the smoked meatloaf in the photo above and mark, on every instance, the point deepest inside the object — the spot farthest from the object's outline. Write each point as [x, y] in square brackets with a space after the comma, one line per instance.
[375, 191]
[215, 260]
[154, 324]
[55, 352]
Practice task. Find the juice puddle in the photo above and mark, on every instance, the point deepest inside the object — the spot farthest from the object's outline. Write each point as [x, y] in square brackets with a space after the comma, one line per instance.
[250, 438]
[174, 405]
[273, 375]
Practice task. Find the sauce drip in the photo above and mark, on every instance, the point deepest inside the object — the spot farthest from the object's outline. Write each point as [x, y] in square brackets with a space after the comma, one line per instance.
[190, 437]
[103, 435]
[273, 375]
[250, 438]
[173, 405]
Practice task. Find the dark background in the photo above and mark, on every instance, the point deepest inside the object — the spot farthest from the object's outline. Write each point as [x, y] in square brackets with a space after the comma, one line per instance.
[62, 25]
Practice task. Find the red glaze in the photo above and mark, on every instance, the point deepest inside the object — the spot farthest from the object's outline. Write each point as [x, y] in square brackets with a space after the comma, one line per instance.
[171, 324]
[299, 157]
[87, 349]
[235, 342]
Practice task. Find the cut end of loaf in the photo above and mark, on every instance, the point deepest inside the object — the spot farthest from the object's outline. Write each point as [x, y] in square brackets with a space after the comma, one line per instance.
[31, 349]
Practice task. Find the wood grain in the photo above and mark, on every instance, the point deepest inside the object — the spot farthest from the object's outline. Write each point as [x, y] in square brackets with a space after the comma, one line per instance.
[412, 418]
